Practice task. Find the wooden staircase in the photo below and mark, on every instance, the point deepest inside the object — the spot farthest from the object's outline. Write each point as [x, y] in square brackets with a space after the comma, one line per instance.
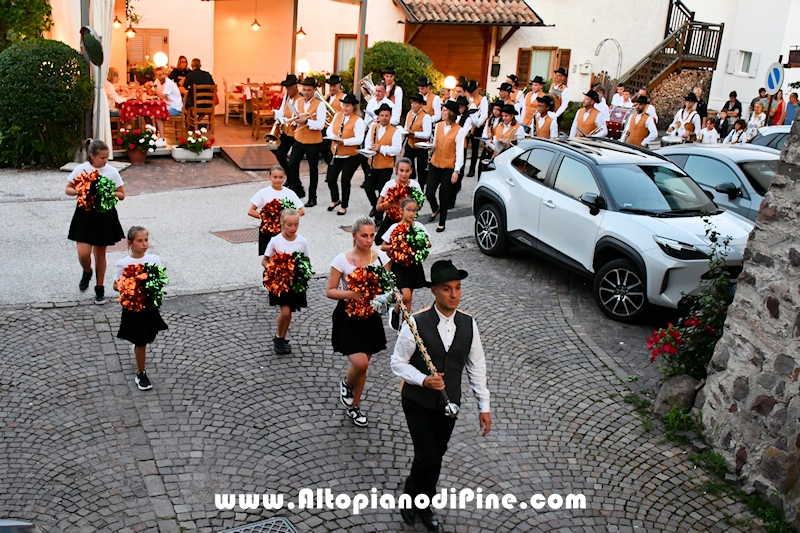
[687, 44]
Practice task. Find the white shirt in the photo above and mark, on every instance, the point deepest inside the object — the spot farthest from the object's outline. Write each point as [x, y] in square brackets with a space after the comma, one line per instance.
[425, 134]
[683, 116]
[316, 121]
[651, 110]
[359, 130]
[599, 122]
[267, 194]
[107, 171]
[553, 124]
[113, 96]
[280, 245]
[469, 122]
[626, 105]
[393, 183]
[652, 131]
[735, 137]
[708, 137]
[616, 100]
[398, 95]
[171, 93]
[279, 112]
[391, 150]
[603, 108]
[405, 346]
[437, 106]
[119, 267]
[460, 138]
[479, 118]
[344, 266]
[388, 234]
[374, 104]
[564, 102]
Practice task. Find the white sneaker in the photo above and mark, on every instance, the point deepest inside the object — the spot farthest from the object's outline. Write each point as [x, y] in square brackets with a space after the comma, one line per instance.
[346, 394]
[359, 418]
[161, 143]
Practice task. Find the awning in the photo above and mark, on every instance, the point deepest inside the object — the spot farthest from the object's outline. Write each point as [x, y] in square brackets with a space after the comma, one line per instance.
[480, 12]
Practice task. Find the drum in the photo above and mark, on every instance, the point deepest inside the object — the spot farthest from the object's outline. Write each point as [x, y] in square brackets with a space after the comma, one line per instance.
[616, 122]
[670, 140]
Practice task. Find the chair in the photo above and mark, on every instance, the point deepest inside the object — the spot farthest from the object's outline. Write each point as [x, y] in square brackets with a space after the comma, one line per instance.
[114, 127]
[262, 112]
[234, 102]
[201, 113]
[173, 128]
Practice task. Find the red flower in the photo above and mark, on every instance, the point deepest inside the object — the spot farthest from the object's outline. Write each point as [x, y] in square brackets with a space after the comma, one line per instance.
[710, 330]
[131, 146]
[675, 334]
[137, 132]
[211, 140]
[119, 141]
[181, 140]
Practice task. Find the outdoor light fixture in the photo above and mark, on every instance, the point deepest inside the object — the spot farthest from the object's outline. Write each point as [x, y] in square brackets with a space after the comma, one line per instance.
[302, 66]
[255, 25]
[160, 59]
[301, 34]
[130, 32]
[450, 82]
[117, 23]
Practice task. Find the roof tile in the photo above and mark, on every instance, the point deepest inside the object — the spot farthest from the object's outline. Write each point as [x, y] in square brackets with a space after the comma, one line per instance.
[493, 12]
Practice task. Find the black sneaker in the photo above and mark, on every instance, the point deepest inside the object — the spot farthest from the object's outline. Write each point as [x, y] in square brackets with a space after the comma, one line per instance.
[142, 382]
[85, 279]
[281, 346]
[359, 418]
[100, 295]
[346, 394]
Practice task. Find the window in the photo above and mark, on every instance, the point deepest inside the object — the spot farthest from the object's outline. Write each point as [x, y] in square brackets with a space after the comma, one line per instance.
[575, 179]
[710, 172]
[760, 173]
[532, 62]
[742, 63]
[537, 162]
[655, 189]
[524, 65]
[563, 58]
[145, 44]
[345, 50]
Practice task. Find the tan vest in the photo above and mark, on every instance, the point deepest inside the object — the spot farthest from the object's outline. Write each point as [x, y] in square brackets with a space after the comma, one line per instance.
[507, 136]
[530, 106]
[557, 95]
[428, 107]
[288, 129]
[305, 135]
[414, 125]
[444, 152]
[337, 102]
[544, 131]
[380, 160]
[348, 132]
[637, 132]
[477, 100]
[587, 126]
[514, 95]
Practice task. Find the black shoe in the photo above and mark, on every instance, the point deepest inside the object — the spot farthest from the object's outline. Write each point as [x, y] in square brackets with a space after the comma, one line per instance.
[301, 193]
[142, 382]
[85, 279]
[100, 295]
[281, 346]
[342, 211]
[471, 173]
[373, 213]
[409, 516]
[429, 519]
[440, 229]
[433, 216]
[311, 203]
[333, 206]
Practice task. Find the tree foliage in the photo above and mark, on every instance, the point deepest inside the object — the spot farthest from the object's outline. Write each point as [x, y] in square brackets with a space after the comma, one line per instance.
[23, 19]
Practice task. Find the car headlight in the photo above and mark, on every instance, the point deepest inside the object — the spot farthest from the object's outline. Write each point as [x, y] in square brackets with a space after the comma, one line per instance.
[679, 250]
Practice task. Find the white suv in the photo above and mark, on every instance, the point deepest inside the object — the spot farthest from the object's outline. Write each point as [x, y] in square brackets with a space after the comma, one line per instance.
[624, 216]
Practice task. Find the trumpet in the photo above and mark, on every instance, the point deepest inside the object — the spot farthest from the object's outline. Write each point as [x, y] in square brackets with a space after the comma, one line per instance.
[273, 137]
[591, 133]
[367, 87]
[329, 110]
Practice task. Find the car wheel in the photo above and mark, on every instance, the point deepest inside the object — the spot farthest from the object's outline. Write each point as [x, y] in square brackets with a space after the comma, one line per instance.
[490, 230]
[620, 291]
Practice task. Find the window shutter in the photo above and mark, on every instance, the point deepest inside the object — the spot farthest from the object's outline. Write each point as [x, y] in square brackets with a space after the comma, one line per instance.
[136, 49]
[524, 66]
[564, 57]
[733, 58]
[753, 65]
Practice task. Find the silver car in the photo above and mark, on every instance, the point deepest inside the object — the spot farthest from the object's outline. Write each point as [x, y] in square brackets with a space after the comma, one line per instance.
[738, 176]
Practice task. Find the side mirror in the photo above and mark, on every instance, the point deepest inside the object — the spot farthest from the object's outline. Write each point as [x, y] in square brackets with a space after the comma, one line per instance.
[730, 189]
[594, 202]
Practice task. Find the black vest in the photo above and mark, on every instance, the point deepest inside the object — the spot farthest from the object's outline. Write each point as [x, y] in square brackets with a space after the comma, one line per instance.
[451, 362]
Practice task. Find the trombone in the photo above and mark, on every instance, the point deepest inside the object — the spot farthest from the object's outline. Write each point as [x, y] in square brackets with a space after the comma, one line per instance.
[329, 110]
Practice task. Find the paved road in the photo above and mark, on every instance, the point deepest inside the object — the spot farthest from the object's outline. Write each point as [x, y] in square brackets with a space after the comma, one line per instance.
[82, 450]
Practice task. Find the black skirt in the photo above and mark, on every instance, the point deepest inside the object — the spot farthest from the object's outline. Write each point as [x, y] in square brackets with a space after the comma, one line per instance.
[357, 335]
[140, 327]
[263, 242]
[409, 277]
[97, 229]
[295, 300]
[384, 227]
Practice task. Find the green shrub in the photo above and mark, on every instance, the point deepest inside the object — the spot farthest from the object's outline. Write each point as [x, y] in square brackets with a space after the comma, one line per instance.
[409, 62]
[45, 92]
[23, 20]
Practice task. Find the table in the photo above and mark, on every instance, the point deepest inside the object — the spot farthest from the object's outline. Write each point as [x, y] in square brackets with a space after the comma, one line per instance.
[131, 109]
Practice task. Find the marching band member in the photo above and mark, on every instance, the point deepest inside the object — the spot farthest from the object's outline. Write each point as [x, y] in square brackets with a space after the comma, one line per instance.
[394, 91]
[641, 126]
[465, 119]
[529, 105]
[418, 125]
[626, 101]
[476, 101]
[432, 103]
[448, 156]
[508, 130]
[516, 94]
[488, 129]
[382, 99]
[308, 141]
[651, 110]
[505, 95]
[348, 129]
[602, 106]
[560, 92]
[684, 116]
[545, 120]
[290, 94]
[334, 98]
[384, 139]
[588, 120]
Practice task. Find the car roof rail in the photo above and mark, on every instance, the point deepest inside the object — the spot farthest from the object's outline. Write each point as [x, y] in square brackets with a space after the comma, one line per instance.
[642, 149]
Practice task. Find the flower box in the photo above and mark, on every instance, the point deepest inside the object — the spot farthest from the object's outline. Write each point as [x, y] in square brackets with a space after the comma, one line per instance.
[182, 155]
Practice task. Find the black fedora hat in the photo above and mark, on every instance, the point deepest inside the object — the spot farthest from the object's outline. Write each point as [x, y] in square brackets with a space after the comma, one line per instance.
[443, 271]
[349, 99]
[424, 82]
[417, 98]
[389, 70]
[334, 79]
[548, 101]
[472, 86]
[593, 95]
[508, 109]
[513, 77]
[383, 107]
[538, 79]
[642, 100]
[691, 97]
[309, 82]
[451, 105]
[462, 101]
[290, 80]
[561, 71]
[496, 103]
[506, 87]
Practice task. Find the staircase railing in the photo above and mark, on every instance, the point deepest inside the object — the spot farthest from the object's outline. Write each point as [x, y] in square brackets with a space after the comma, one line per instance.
[678, 15]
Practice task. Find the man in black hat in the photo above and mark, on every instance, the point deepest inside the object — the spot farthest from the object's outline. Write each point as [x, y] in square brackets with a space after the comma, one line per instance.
[685, 115]
[380, 99]
[505, 94]
[333, 98]
[454, 345]
[433, 103]
[529, 102]
[393, 91]
[476, 102]
[545, 121]
[290, 97]
[348, 130]
[589, 122]
[516, 94]
[640, 129]
[307, 141]
[559, 91]
[418, 125]
[385, 140]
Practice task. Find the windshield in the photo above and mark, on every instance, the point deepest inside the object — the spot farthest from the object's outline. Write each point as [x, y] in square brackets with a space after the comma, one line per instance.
[655, 189]
[760, 174]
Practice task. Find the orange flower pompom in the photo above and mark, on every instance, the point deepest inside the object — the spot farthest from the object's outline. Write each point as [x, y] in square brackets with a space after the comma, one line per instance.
[392, 200]
[278, 276]
[400, 251]
[367, 283]
[131, 290]
[83, 185]
[271, 218]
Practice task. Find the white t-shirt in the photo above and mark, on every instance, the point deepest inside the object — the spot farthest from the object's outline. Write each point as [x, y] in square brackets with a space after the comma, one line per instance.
[280, 245]
[172, 93]
[153, 259]
[107, 171]
[391, 183]
[344, 266]
[389, 231]
[267, 194]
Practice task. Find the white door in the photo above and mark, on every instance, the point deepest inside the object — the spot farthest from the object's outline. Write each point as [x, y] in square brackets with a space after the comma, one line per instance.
[526, 186]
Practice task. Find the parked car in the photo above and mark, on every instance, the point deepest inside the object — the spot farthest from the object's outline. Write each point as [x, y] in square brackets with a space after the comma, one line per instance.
[10, 525]
[738, 176]
[624, 216]
[772, 137]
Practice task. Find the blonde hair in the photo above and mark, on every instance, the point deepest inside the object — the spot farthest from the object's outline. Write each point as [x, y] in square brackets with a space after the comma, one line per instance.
[286, 213]
[111, 73]
[362, 221]
[135, 230]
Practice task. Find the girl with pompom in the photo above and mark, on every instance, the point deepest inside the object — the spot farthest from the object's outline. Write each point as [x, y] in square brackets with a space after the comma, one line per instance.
[277, 198]
[407, 255]
[393, 193]
[94, 228]
[356, 336]
[282, 254]
[138, 327]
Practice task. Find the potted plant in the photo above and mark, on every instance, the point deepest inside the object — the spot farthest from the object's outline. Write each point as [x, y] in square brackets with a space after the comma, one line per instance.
[196, 146]
[138, 143]
[144, 72]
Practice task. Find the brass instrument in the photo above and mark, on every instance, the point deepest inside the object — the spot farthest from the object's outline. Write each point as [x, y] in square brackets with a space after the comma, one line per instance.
[367, 87]
[273, 137]
[338, 136]
[330, 112]
[592, 133]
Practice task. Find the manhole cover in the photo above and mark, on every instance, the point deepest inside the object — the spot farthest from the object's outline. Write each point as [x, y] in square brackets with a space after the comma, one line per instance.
[273, 525]
[238, 236]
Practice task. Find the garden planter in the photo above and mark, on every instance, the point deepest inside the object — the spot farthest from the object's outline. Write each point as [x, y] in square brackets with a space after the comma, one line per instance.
[182, 155]
[137, 157]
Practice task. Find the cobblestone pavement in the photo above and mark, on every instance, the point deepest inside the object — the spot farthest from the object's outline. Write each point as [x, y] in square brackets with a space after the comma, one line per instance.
[83, 450]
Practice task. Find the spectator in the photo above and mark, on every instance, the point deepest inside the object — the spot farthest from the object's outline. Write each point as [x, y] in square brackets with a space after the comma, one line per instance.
[197, 76]
[167, 90]
[179, 73]
[602, 106]
[113, 96]
[616, 100]
[757, 120]
[762, 97]
[732, 109]
[736, 135]
[722, 124]
[626, 98]
[791, 110]
[709, 134]
[778, 106]
[701, 106]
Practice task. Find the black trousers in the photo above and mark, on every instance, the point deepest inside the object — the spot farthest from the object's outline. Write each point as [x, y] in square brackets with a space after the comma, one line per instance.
[311, 151]
[325, 151]
[475, 146]
[263, 242]
[430, 432]
[419, 164]
[365, 169]
[283, 151]
[375, 182]
[347, 166]
[436, 177]
[456, 188]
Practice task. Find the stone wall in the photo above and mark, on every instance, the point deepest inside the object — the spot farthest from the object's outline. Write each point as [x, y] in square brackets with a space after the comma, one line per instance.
[668, 96]
[752, 408]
